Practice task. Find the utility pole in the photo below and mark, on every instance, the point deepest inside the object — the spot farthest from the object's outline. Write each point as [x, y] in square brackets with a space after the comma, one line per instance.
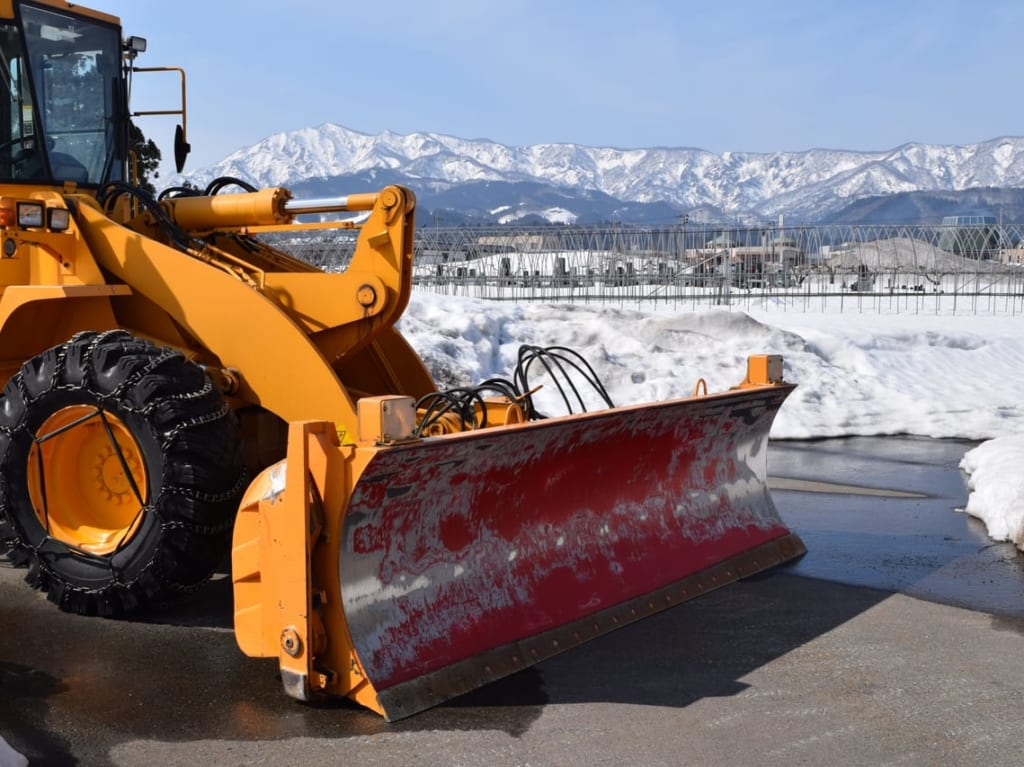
[684, 219]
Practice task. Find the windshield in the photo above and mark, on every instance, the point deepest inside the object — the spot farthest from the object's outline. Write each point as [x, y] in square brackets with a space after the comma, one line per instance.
[57, 108]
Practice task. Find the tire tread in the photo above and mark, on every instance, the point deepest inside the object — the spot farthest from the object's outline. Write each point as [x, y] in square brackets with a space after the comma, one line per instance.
[193, 501]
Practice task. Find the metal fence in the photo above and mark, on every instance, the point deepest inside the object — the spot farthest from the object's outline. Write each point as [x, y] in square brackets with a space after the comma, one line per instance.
[947, 269]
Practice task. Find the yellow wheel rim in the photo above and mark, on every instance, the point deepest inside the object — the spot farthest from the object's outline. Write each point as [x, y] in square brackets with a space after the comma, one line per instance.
[78, 483]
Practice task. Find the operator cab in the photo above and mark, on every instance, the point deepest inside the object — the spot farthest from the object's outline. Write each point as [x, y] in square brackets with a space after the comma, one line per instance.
[63, 112]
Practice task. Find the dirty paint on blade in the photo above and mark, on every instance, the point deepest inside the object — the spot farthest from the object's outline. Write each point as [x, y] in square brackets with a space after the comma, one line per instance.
[459, 545]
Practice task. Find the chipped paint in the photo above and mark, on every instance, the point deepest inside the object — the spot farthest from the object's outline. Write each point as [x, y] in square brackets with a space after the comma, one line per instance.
[273, 482]
[504, 534]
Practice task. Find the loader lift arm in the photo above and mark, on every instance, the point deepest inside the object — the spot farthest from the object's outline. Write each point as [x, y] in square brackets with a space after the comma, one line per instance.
[320, 334]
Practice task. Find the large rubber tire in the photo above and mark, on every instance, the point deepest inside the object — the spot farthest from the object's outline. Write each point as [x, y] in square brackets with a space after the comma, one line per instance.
[120, 473]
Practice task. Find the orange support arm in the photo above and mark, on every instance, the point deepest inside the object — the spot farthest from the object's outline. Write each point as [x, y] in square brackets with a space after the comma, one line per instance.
[285, 562]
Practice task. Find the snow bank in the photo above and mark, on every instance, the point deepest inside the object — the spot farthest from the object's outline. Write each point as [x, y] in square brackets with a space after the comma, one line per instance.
[858, 374]
[997, 487]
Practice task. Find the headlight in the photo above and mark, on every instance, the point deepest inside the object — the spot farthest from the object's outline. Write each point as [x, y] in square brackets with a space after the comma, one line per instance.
[58, 219]
[30, 214]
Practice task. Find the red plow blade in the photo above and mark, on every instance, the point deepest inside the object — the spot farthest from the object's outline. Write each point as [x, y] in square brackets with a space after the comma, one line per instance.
[466, 558]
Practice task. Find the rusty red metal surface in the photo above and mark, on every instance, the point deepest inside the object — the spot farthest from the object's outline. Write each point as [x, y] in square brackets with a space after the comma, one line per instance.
[459, 545]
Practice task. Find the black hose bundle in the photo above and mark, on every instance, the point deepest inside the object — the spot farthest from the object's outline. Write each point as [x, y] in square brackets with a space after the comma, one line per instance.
[110, 193]
[461, 401]
[560, 364]
[214, 187]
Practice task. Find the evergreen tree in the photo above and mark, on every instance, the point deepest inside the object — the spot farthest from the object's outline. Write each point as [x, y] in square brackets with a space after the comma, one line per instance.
[147, 157]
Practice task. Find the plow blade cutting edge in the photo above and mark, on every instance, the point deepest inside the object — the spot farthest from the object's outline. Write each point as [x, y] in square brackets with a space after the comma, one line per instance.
[438, 566]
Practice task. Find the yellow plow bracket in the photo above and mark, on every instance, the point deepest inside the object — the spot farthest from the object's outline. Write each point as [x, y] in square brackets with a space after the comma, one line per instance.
[282, 609]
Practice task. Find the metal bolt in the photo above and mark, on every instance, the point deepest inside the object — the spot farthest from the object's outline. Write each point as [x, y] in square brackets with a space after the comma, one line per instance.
[366, 296]
[290, 642]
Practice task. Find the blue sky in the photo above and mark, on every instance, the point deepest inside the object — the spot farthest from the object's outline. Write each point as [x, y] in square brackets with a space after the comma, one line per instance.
[732, 75]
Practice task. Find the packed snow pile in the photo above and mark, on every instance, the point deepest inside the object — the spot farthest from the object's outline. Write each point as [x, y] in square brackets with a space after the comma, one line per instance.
[997, 487]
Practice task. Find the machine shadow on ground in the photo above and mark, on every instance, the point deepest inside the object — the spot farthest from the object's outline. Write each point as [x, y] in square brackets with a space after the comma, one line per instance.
[99, 683]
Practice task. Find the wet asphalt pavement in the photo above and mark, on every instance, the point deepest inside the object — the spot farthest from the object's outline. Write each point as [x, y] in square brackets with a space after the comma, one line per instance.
[896, 640]
[915, 541]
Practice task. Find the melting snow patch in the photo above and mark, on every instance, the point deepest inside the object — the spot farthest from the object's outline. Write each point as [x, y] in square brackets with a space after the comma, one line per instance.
[997, 487]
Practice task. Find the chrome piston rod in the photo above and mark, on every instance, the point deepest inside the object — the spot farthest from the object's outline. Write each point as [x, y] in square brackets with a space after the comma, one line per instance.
[329, 204]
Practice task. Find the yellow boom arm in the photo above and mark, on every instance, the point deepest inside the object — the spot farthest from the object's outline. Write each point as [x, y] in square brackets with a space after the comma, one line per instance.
[288, 338]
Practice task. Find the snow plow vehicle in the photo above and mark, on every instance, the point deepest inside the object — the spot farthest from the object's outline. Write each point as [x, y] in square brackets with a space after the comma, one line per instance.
[177, 389]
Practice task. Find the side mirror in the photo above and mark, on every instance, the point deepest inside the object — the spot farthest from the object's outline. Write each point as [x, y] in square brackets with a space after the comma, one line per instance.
[181, 148]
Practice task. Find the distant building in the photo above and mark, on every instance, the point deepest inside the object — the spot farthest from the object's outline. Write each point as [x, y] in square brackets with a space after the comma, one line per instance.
[969, 220]
[1012, 256]
[720, 242]
[519, 242]
[971, 235]
[770, 263]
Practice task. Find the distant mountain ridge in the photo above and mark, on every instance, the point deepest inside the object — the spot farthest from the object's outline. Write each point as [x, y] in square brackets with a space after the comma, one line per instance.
[484, 181]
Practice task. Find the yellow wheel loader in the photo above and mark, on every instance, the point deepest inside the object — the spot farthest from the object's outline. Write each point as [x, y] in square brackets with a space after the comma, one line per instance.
[177, 389]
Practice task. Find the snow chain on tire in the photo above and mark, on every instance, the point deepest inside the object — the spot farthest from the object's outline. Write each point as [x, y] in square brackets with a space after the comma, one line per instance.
[169, 431]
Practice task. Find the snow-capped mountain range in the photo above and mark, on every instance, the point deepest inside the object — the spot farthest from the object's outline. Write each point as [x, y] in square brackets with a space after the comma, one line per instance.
[484, 180]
